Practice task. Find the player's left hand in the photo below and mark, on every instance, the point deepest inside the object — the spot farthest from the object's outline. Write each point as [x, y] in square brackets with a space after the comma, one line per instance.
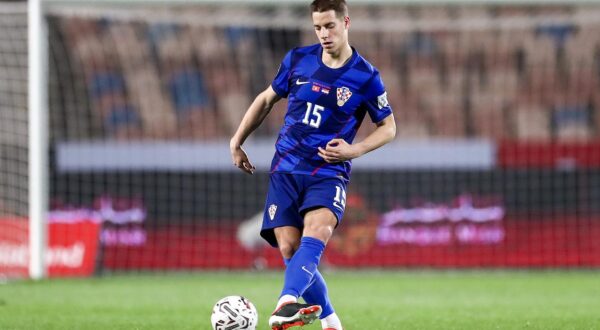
[337, 150]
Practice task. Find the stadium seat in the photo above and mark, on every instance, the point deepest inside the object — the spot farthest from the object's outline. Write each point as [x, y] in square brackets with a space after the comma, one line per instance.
[531, 123]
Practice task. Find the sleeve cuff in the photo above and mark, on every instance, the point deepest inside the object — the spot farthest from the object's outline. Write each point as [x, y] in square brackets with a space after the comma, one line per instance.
[382, 117]
[278, 90]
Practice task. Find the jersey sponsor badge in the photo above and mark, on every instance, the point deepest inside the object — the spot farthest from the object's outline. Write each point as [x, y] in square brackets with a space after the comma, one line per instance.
[382, 100]
[272, 210]
[343, 95]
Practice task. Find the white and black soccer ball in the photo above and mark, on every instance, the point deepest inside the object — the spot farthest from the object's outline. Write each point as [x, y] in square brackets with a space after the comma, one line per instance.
[234, 313]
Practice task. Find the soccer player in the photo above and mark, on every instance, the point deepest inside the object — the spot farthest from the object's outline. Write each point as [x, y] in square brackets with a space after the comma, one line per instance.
[330, 88]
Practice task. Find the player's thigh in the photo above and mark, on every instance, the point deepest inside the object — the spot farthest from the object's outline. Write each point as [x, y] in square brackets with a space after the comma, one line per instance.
[319, 223]
[288, 240]
[323, 207]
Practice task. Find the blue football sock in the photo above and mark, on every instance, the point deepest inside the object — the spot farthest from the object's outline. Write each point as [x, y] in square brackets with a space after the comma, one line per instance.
[301, 269]
[316, 294]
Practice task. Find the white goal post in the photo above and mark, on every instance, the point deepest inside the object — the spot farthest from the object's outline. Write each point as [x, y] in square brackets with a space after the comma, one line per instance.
[38, 138]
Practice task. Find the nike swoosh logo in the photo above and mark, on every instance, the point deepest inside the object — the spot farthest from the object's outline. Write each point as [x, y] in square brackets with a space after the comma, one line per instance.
[306, 270]
[338, 206]
[298, 82]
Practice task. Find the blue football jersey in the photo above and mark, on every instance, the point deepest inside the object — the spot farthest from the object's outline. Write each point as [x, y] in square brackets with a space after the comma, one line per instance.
[323, 104]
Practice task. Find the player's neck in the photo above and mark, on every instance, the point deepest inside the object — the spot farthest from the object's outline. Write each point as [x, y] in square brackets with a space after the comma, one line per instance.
[338, 59]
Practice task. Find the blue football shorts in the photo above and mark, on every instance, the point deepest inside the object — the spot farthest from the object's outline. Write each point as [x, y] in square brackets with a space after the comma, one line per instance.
[290, 196]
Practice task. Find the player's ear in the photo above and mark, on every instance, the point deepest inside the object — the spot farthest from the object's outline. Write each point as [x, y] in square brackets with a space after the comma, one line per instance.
[346, 22]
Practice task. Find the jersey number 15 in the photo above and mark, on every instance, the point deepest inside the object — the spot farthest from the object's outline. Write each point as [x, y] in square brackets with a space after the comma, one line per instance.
[312, 116]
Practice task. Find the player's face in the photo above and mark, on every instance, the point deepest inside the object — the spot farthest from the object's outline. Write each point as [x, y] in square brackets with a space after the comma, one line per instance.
[331, 30]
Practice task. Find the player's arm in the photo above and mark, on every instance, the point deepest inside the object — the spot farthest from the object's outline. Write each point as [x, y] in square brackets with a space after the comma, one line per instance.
[256, 113]
[338, 150]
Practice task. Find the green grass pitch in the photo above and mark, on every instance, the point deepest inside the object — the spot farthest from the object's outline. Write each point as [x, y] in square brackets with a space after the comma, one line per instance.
[368, 300]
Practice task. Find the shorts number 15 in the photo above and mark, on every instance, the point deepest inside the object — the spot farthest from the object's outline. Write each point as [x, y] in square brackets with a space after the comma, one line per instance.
[339, 200]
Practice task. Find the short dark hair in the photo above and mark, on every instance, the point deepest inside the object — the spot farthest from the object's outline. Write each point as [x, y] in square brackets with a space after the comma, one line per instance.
[339, 6]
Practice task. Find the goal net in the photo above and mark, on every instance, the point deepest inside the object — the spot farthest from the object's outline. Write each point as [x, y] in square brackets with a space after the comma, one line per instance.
[496, 161]
[13, 139]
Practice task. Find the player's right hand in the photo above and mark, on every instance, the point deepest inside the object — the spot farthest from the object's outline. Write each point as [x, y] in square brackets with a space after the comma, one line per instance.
[240, 160]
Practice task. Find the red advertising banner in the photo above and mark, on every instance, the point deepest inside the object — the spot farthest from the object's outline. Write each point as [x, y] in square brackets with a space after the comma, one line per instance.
[515, 242]
[72, 248]
[463, 233]
[549, 155]
[14, 254]
[466, 231]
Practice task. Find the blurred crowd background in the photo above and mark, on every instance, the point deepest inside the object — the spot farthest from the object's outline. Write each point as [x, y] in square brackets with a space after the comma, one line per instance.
[494, 72]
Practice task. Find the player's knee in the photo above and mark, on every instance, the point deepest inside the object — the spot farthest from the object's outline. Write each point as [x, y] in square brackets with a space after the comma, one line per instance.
[287, 249]
[319, 231]
[288, 240]
[319, 224]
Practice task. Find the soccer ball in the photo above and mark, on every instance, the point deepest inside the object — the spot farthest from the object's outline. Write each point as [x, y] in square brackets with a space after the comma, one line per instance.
[234, 313]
